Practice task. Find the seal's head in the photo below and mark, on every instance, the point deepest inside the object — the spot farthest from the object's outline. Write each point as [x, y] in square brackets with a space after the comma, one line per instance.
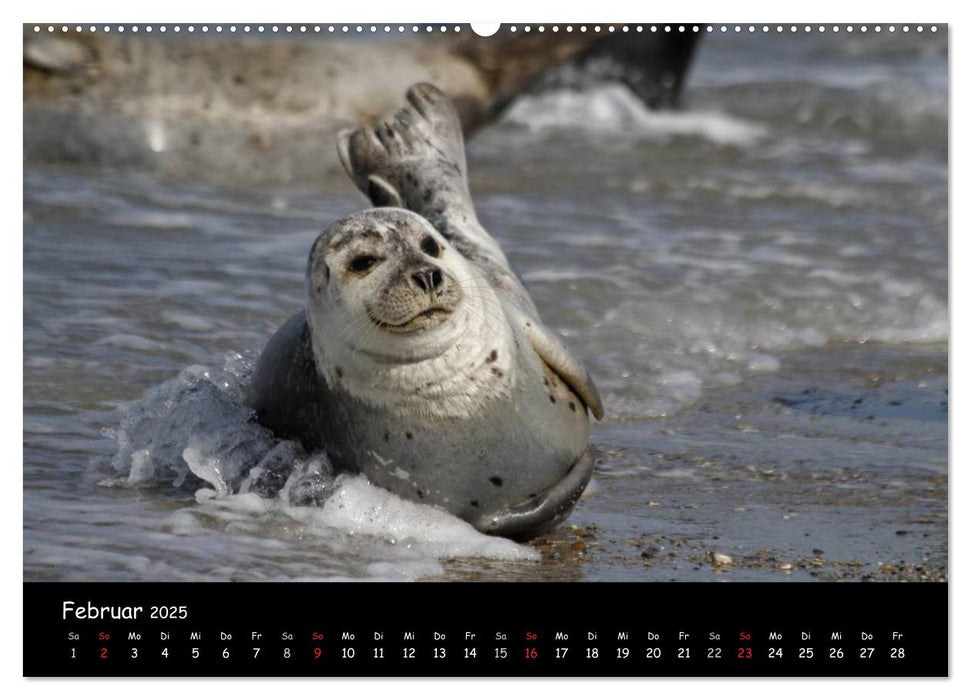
[389, 266]
[386, 291]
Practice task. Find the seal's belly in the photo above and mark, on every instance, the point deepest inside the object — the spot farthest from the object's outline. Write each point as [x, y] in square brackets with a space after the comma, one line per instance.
[521, 446]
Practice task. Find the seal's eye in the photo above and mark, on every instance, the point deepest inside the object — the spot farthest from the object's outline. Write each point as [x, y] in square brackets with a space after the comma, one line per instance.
[362, 263]
[430, 246]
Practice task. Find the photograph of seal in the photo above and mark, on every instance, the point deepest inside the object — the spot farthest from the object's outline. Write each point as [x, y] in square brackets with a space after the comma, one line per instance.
[420, 360]
[742, 237]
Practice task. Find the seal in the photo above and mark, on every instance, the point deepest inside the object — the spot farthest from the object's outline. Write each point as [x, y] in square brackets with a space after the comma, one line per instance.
[420, 360]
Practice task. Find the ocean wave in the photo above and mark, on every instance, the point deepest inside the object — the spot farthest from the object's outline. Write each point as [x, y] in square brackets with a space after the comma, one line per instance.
[614, 109]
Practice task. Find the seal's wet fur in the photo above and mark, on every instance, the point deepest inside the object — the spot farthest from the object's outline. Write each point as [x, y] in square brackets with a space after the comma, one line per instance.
[421, 360]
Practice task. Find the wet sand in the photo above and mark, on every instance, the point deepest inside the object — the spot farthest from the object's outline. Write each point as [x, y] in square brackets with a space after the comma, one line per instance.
[808, 474]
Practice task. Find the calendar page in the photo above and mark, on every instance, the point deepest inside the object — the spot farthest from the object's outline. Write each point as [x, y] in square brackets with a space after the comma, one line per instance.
[391, 349]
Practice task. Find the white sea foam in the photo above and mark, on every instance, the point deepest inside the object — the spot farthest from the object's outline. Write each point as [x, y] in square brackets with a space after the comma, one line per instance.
[189, 322]
[613, 108]
[193, 433]
[130, 342]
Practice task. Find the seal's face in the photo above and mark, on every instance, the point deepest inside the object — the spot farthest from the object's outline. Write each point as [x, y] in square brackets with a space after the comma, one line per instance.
[400, 319]
[386, 271]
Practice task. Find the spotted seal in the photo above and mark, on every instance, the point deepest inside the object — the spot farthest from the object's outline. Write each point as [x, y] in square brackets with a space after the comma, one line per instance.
[420, 360]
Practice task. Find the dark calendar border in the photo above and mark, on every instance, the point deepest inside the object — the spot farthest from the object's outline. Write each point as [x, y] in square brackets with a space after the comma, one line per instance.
[514, 629]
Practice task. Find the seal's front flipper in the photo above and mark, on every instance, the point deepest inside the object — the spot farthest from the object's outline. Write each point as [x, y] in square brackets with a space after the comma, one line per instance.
[545, 510]
[559, 359]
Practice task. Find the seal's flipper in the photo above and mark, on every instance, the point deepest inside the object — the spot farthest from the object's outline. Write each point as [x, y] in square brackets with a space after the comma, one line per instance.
[555, 354]
[381, 193]
[440, 114]
[417, 154]
[545, 510]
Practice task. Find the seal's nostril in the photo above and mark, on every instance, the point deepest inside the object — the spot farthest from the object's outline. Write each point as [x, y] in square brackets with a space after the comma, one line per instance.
[428, 280]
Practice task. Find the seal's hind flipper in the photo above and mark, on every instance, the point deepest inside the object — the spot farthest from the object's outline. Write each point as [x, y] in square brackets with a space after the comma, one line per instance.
[381, 193]
[440, 114]
[415, 159]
